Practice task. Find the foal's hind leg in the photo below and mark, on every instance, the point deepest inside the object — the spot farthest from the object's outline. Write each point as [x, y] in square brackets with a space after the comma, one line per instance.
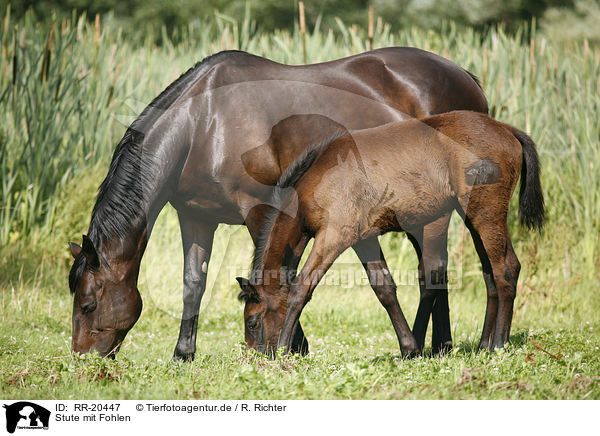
[512, 268]
[370, 254]
[505, 267]
[431, 243]
[491, 309]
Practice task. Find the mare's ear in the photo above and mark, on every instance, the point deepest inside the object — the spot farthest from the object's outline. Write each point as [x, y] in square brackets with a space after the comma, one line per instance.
[90, 253]
[75, 249]
[249, 293]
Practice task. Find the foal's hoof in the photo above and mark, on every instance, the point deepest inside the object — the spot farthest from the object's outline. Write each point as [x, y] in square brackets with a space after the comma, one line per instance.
[483, 345]
[486, 345]
[497, 345]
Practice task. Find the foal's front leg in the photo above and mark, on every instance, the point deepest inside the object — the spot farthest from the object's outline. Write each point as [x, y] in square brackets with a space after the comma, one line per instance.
[254, 222]
[370, 254]
[319, 260]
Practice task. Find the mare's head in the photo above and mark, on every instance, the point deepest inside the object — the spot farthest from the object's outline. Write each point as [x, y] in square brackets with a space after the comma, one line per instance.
[106, 301]
[264, 314]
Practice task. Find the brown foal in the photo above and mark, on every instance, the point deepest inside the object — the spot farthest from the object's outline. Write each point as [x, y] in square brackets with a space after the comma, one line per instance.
[398, 177]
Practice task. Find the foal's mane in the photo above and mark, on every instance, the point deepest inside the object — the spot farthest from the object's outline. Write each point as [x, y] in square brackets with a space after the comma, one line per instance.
[288, 179]
[122, 196]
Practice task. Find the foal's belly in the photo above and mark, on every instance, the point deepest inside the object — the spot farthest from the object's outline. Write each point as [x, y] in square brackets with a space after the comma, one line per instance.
[397, 190]
[407, 212]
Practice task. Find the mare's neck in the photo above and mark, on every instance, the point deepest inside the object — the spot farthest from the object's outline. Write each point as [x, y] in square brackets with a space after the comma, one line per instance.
[123, 255]
[138, 184]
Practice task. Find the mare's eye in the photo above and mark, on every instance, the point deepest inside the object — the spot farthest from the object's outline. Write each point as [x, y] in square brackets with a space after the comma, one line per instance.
[252, 324]
[99, 284]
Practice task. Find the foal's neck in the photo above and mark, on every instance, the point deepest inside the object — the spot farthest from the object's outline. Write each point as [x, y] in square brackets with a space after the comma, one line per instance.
[279, 250]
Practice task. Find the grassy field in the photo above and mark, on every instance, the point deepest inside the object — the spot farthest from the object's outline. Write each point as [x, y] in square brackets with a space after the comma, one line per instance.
[65, 104]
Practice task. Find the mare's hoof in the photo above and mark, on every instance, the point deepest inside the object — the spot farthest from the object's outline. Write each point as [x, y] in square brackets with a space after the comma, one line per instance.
[302, 349]
[443, 348]
[179, 356]
[410, 353]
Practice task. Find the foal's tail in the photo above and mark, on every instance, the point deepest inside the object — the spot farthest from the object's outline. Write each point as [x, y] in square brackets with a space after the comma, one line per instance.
[531, 197]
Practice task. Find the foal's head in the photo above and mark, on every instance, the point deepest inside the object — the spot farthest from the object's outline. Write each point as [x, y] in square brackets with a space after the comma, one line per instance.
[264, 314]
[106, 301]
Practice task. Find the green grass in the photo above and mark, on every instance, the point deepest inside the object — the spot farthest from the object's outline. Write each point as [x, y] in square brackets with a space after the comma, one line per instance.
[354, 353]
[56, 138]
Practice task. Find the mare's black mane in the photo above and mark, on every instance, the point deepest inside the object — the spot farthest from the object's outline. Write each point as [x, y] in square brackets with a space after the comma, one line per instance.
[121, 203]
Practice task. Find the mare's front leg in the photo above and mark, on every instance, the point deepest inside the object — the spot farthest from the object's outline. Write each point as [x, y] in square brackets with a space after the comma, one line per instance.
[299, 342]
[370, 254]
[431, 245]
[197, 245]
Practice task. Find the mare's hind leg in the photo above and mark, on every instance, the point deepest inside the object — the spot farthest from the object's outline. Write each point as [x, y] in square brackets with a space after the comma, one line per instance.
[502, 263]
[431, 245]
[197, 244]
[370, 254]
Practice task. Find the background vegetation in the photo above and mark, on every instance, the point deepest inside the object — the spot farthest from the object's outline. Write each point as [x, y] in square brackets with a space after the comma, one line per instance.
[69, 86]
[152, 15]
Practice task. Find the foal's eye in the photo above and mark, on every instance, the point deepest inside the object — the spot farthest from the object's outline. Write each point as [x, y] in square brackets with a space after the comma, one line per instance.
[253, 324]
[99, 284]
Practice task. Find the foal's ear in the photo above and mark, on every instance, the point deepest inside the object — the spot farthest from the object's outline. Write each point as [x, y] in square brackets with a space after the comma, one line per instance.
[75, 249]
[90, 253]
[249, 293]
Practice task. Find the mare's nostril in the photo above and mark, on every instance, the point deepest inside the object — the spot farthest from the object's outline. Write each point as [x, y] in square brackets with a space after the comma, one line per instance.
[88, 307]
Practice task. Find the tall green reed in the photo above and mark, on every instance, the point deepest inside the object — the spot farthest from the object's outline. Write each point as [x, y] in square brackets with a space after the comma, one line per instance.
[63, 112]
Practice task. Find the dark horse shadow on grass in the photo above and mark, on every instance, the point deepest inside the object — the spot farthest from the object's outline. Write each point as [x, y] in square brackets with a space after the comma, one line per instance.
[463, 349]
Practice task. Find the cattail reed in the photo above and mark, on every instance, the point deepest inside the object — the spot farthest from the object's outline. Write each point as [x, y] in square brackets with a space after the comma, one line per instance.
[47, 55]
[111, 91]
[15, 59]
[370, 29]
[96, 41]
[302, 30]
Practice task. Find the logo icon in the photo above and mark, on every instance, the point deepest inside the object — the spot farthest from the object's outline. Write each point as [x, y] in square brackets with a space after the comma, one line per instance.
[26, 415]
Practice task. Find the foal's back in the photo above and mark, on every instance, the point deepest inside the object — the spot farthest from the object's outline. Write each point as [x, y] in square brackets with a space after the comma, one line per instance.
[405, 175]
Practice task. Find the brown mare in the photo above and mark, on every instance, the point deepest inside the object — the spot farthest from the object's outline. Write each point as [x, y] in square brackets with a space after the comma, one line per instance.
[400, 177]
[213, 144]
